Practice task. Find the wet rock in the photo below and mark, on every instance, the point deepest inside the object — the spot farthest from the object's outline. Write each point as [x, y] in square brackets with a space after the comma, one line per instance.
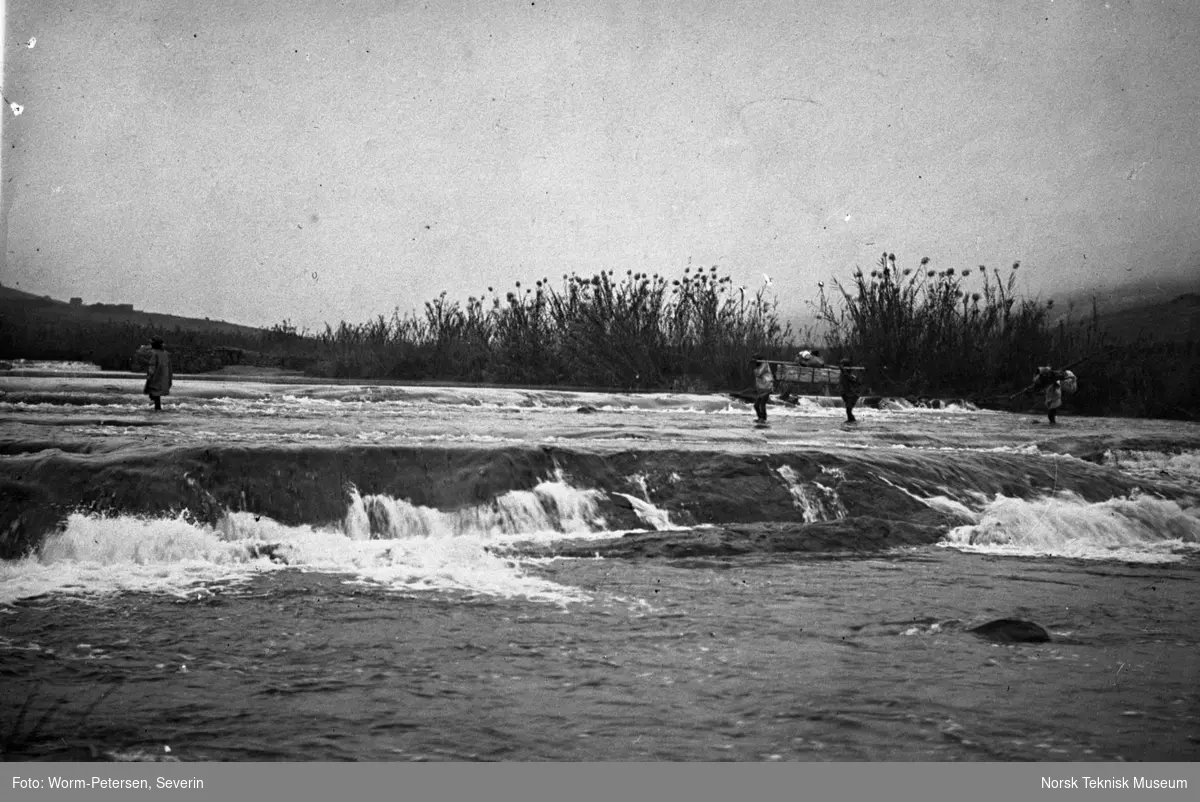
[297, 484]
[860, 535]
[1011, 630]
[586, 410]
[622, 500]
[268, 550]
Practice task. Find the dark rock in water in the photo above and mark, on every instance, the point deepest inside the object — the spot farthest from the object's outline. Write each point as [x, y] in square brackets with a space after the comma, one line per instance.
[1011, 630]
[268, 550]
[860, 535]
[622, 500]
[587, 410]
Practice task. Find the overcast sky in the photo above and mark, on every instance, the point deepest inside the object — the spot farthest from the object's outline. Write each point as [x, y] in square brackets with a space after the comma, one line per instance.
[323, 161]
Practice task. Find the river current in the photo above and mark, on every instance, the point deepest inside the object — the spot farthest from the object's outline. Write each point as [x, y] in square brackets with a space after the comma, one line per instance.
[286, 570]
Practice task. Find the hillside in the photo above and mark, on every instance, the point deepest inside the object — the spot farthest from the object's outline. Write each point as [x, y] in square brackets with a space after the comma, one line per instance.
[17, 305]
[1172, 320]
[1177, 320]
[114, 336]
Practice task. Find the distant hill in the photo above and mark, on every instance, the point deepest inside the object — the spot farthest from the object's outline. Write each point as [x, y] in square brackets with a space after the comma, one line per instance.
[22, 305]
[1175, 319]
[1162, 312]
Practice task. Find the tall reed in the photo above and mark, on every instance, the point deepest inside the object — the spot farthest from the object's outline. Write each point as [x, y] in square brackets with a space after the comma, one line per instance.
[637, 330]
[927, 331]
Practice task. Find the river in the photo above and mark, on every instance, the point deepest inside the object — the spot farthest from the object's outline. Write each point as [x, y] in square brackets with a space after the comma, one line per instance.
[280, 569]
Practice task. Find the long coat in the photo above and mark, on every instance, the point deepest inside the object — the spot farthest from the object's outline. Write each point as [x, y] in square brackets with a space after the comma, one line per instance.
[764, 380]
[158, 373]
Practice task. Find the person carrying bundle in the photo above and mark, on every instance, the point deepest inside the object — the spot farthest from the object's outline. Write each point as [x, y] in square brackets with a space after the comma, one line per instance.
[1053, 383]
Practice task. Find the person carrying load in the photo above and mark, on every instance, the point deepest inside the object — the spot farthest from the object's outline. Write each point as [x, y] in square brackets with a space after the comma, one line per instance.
[1053, 383]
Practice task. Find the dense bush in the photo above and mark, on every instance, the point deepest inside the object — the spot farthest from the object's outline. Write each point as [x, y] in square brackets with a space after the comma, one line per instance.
[923, 331]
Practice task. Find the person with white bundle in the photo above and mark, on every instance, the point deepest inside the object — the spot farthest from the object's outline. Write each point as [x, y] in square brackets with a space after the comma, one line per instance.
[1054, 383]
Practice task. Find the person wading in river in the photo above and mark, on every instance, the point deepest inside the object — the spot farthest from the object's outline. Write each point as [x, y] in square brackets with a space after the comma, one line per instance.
[764, 383]
[1051, 381]
[158, 373]
[848, 386]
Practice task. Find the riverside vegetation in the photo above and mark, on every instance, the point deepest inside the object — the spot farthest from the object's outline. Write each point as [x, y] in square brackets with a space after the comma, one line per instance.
[967, 332]
[917, 331]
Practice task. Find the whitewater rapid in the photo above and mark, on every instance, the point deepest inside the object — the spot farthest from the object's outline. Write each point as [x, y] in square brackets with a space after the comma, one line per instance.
[955, 462]
[393, 544]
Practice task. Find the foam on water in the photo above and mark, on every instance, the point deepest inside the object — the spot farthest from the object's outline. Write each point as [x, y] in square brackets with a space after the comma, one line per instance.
[415, 563]
[1184, 465]
[65, 367]
[551, 508]
[1139, 528]
[96, 555]
[817, 501]
[517, 399]
[942, 503]
[382, 540]
[648, 513]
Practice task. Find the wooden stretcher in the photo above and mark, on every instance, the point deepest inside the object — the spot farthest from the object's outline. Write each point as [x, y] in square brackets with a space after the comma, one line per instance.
[793, 378]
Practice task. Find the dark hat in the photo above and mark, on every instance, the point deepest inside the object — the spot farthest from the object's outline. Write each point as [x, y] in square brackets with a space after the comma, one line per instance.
[156, 341]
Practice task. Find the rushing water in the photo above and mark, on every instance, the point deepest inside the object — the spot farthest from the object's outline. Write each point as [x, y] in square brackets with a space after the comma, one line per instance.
[313, 572]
